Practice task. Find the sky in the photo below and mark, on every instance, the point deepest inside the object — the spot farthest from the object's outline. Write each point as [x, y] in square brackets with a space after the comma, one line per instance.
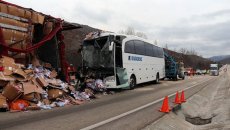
[202, 25]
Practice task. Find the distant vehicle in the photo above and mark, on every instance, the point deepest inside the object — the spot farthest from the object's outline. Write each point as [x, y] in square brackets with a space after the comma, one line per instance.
[173, 69]
[189, 71]
[198, 72]
[122, 61]
[214, 70]
[204, 72]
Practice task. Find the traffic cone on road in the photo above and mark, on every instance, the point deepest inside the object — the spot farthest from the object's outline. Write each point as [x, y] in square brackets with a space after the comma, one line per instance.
[182, 98]
[177, 99]
[165, 106]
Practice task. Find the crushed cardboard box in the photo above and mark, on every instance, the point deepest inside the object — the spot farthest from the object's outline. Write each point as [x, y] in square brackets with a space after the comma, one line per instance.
[3, 103]
[55, 93]
[12, 91]
[42, 82]
[53, 74]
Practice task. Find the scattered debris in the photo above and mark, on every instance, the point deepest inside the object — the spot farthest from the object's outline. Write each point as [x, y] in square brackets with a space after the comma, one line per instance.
[36, 87]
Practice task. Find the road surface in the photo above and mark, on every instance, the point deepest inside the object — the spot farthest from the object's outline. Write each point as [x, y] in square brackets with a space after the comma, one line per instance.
[125, 110]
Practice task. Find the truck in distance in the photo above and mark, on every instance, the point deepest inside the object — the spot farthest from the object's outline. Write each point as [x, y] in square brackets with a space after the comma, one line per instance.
[214, 70]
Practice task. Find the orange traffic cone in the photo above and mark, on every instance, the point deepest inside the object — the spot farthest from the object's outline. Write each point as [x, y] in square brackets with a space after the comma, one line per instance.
[182, 98]
[177, 99]
[165, 106]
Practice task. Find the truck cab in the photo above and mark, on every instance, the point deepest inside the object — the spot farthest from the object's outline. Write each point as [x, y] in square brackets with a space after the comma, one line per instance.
[214, 70]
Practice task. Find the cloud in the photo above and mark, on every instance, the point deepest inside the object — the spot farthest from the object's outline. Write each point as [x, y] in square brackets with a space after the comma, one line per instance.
[208, 39]
[202, 25]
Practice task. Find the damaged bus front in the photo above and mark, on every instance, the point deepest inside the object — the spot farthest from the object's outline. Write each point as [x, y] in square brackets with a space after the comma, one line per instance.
[102, 59]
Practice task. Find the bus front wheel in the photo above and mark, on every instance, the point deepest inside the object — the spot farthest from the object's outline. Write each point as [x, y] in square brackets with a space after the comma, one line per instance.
[132, 82]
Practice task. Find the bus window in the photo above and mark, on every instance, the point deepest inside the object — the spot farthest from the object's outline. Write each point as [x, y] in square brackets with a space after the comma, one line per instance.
[155, 52]
[160, 52]
[149, 49]
[139, 47]
[129, 47]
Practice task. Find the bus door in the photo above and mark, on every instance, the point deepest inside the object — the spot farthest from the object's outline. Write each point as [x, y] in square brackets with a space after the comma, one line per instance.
[121, 73]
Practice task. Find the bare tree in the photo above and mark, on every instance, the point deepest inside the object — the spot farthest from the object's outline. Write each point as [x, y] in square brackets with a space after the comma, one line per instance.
[141, 34]
[131, 31]
[183, 50]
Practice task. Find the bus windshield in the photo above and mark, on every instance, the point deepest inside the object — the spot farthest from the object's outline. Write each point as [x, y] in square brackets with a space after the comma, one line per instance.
[213, 68]
[96, 53]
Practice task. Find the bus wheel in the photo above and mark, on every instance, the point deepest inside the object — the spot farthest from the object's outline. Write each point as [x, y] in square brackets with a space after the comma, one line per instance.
[157, 79]
[132, 82]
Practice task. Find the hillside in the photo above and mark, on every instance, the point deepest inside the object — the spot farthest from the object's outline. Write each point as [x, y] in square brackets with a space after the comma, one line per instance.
[193, 61]
[74, 38]
[225, 61]
[219, 58]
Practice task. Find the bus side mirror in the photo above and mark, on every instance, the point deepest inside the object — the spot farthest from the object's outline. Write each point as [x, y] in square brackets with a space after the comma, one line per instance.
[111, 46]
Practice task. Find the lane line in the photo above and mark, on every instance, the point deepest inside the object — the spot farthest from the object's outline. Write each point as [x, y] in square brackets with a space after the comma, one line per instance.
[136, 109]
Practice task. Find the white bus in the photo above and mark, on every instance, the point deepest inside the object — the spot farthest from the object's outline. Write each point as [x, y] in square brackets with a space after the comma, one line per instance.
[122, 61]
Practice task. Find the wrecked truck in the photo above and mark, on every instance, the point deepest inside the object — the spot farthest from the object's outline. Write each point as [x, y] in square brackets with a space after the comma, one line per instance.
[33, 37]
[121, 61]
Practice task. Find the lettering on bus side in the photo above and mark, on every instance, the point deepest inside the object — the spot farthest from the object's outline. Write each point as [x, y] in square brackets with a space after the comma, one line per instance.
[134, 58]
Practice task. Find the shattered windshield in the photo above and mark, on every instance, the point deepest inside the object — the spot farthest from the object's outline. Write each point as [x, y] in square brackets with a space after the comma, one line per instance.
[96, 53]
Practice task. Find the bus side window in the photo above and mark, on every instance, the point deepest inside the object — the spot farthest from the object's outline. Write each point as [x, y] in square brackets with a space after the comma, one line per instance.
[129, 47]
[149, 49]
[160, 52]
[139, 47]
[155, 52]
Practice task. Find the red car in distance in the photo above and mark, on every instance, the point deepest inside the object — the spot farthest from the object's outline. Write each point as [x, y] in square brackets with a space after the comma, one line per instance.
[189, 71]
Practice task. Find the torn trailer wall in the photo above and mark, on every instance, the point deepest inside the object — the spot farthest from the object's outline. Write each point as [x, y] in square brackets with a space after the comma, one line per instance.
[26, 34]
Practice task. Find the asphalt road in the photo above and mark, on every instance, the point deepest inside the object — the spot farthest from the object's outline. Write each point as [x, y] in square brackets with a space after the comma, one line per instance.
[118, 111]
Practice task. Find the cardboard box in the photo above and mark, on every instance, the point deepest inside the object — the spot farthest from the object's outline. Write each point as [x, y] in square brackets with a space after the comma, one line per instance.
[55, 93]
[34, 17]
[42, 82]
[19, 74]
[33, 97]
[8, 71]
[3, 103]
[29, 87]
[8, 21]
[28, 14]
[3, 8]
[28, 72]
[21, 13]
[41, 18]
[12, 10]
[12, 91]
[7, 61]
[8, 34]
[46, 101]
[53, 74]
[5, 77]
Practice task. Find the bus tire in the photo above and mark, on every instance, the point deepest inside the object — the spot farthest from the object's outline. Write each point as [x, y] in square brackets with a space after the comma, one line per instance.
[157, 79]
[132, 82]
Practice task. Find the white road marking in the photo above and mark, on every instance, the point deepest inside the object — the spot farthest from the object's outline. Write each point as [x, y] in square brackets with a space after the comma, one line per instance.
[135, 110]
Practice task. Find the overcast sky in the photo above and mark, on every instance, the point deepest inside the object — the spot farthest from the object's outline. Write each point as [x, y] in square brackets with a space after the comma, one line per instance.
[203, 25]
